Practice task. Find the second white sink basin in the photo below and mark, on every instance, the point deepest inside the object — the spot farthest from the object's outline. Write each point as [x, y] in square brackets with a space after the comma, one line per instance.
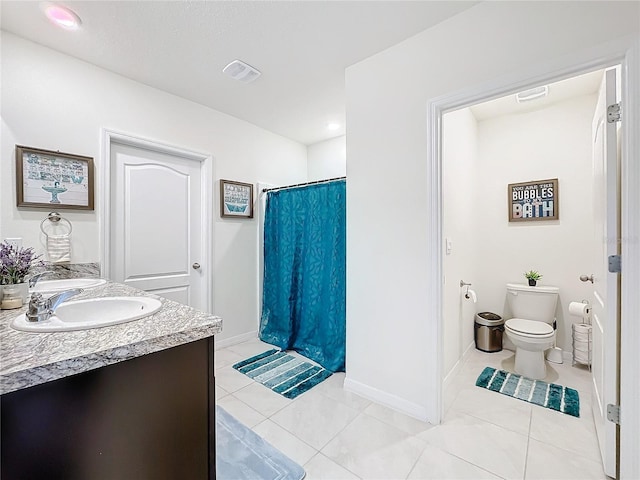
[91, 313]
[55, 286]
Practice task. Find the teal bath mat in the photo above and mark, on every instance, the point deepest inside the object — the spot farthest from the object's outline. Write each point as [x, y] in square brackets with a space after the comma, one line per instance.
[549, 395]
[283, 373]
[241, 454]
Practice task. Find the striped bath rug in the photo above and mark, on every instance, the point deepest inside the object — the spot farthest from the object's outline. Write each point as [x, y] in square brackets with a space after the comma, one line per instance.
[549, 395]
[283, 373]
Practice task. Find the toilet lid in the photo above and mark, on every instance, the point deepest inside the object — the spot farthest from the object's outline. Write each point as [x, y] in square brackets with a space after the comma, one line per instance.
[530, 327]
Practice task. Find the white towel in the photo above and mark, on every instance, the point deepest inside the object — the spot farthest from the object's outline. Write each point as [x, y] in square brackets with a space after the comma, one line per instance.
[59, 248]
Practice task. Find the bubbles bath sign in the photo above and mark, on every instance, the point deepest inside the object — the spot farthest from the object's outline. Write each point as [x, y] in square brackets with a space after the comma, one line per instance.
[537, 200]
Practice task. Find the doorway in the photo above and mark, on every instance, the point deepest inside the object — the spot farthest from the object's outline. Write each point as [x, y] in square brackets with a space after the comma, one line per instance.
[157, 224]
[490, 145]
[627, 53]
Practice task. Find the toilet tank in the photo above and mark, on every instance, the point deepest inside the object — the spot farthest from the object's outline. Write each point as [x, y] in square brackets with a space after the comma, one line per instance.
[533, 303]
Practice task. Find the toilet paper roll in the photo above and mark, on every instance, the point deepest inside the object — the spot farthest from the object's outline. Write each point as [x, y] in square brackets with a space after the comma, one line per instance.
[582, 328]
[580, 309]
[471, 295]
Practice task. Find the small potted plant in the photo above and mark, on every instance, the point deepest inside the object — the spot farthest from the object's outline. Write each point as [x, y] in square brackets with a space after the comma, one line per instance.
[533, 276]
[15, 265]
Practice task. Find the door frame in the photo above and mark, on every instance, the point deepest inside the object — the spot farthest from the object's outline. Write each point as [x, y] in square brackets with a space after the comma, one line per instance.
[626, 52]
[110, 137]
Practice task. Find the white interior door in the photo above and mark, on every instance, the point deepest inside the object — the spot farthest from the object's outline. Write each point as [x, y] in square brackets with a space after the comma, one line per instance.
[156, 223]
[605, 299]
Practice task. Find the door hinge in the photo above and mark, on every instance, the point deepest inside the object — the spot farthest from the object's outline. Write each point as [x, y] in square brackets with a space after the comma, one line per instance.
[614, 112]
[613, 413]
[615, 263]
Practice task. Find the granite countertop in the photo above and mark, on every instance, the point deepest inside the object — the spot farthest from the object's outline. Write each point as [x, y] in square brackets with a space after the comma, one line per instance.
[28, 359]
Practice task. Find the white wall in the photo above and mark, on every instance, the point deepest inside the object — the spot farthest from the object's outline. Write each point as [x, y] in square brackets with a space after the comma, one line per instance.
[553, 142]
[56, 102]
[387, 241]
[460, 227]
[327, 159]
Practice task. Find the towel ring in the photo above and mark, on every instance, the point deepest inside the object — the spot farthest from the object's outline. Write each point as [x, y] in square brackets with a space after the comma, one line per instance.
[55, 217]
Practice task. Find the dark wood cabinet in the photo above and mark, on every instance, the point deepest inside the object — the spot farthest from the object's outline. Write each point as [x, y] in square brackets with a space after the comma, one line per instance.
[151, 417]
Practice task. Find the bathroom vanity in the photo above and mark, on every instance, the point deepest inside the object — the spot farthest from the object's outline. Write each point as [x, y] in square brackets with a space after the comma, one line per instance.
[129, 401]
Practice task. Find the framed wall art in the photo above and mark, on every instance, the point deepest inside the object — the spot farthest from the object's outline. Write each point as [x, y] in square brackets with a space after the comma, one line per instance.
[533, 201]
[45, 178]
[236, 199]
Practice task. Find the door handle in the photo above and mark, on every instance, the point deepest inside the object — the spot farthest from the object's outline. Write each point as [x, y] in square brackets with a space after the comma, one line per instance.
[585, 278]
[196, 266]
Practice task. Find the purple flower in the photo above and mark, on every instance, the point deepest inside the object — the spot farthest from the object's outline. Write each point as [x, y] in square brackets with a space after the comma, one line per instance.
[15, 263]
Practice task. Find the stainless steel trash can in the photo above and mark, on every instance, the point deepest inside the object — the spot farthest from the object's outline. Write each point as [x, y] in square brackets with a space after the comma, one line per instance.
[488, 329]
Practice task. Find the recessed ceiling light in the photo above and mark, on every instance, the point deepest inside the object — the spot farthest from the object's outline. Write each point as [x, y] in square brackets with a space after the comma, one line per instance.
[333, 126]
[532, 94]
[62, 16]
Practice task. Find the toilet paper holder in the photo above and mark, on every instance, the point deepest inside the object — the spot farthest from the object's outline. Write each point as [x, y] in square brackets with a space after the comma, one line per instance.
[581, 309]
[465, 284]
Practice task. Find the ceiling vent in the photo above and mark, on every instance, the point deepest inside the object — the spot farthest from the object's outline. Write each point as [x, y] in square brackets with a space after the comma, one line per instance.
[532, 94]
[241, 71]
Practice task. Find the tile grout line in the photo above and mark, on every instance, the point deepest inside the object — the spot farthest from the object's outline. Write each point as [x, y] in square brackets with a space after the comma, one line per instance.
[471, 414]
[341, 466]
[320, 392]
[417, 459]
[463, 459]
[328, 441]
[339, 432]
[290, 433]
[575, 453]
[526, 456]
[479, 467]
[248, 406]
[290, 401]
[336, 435]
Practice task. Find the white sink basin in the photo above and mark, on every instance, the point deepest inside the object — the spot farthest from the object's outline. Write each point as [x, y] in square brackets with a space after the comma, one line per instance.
[91, 313]
[54, 286]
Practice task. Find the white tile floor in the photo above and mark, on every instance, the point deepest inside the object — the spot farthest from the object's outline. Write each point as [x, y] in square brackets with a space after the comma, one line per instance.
[335, 434]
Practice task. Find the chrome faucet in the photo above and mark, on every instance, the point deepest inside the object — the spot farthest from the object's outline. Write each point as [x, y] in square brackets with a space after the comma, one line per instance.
[41, 309]
[36, 278]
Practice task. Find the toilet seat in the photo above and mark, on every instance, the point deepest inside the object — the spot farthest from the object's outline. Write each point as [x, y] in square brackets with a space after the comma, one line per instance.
[529, 328]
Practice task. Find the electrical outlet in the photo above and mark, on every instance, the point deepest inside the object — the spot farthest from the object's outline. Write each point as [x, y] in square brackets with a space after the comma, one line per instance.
[14, 242]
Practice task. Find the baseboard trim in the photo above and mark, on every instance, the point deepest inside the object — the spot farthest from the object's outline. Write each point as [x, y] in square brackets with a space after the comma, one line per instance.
[227, 342]
[387, 399]
[452, 373]
[468, 351]
[456, 368]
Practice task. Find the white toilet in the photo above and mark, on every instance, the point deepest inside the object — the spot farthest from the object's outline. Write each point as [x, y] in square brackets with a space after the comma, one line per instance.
[531, 328]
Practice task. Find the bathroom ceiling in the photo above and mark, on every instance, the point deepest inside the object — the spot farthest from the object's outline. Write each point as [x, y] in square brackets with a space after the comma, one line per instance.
[301, 47]
[558, 92]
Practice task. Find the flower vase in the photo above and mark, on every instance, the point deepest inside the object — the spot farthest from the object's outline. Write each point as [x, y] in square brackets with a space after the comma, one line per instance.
[532, 283]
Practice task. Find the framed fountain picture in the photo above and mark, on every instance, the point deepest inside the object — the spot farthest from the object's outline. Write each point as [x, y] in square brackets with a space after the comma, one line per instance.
[45, 178]
[236, 199]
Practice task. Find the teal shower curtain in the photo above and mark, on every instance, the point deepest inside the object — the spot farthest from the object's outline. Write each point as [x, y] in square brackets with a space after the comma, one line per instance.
[304, 296]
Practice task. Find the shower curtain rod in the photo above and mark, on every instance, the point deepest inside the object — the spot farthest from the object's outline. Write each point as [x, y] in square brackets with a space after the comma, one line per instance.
[303, 184]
